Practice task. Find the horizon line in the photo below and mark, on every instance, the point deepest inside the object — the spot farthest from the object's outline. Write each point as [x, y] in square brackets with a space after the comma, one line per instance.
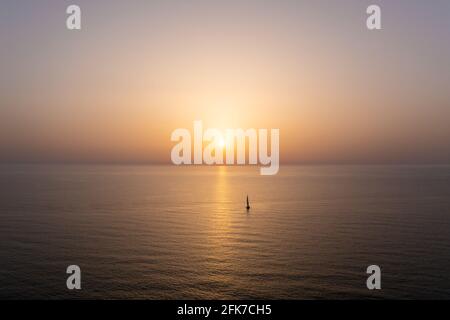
[148, 163]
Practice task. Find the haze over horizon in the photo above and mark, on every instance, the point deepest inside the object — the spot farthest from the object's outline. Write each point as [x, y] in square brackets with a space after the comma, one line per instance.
[114, 91]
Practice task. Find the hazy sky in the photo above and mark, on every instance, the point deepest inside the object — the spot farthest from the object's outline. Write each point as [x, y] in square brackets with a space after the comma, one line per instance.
[114, 91]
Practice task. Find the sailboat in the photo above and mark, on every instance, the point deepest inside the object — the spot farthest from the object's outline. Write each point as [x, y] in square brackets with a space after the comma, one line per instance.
[248, 204]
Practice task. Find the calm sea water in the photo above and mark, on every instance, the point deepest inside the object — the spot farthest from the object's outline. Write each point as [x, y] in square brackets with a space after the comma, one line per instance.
[164, 232]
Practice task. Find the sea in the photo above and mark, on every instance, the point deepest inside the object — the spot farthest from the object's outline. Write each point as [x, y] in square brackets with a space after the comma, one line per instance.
[169, 232]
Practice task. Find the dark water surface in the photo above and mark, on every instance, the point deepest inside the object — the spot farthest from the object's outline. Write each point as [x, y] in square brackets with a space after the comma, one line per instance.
[169, 232]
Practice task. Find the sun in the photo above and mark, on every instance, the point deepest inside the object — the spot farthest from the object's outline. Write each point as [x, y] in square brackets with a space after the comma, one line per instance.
[221, 143]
